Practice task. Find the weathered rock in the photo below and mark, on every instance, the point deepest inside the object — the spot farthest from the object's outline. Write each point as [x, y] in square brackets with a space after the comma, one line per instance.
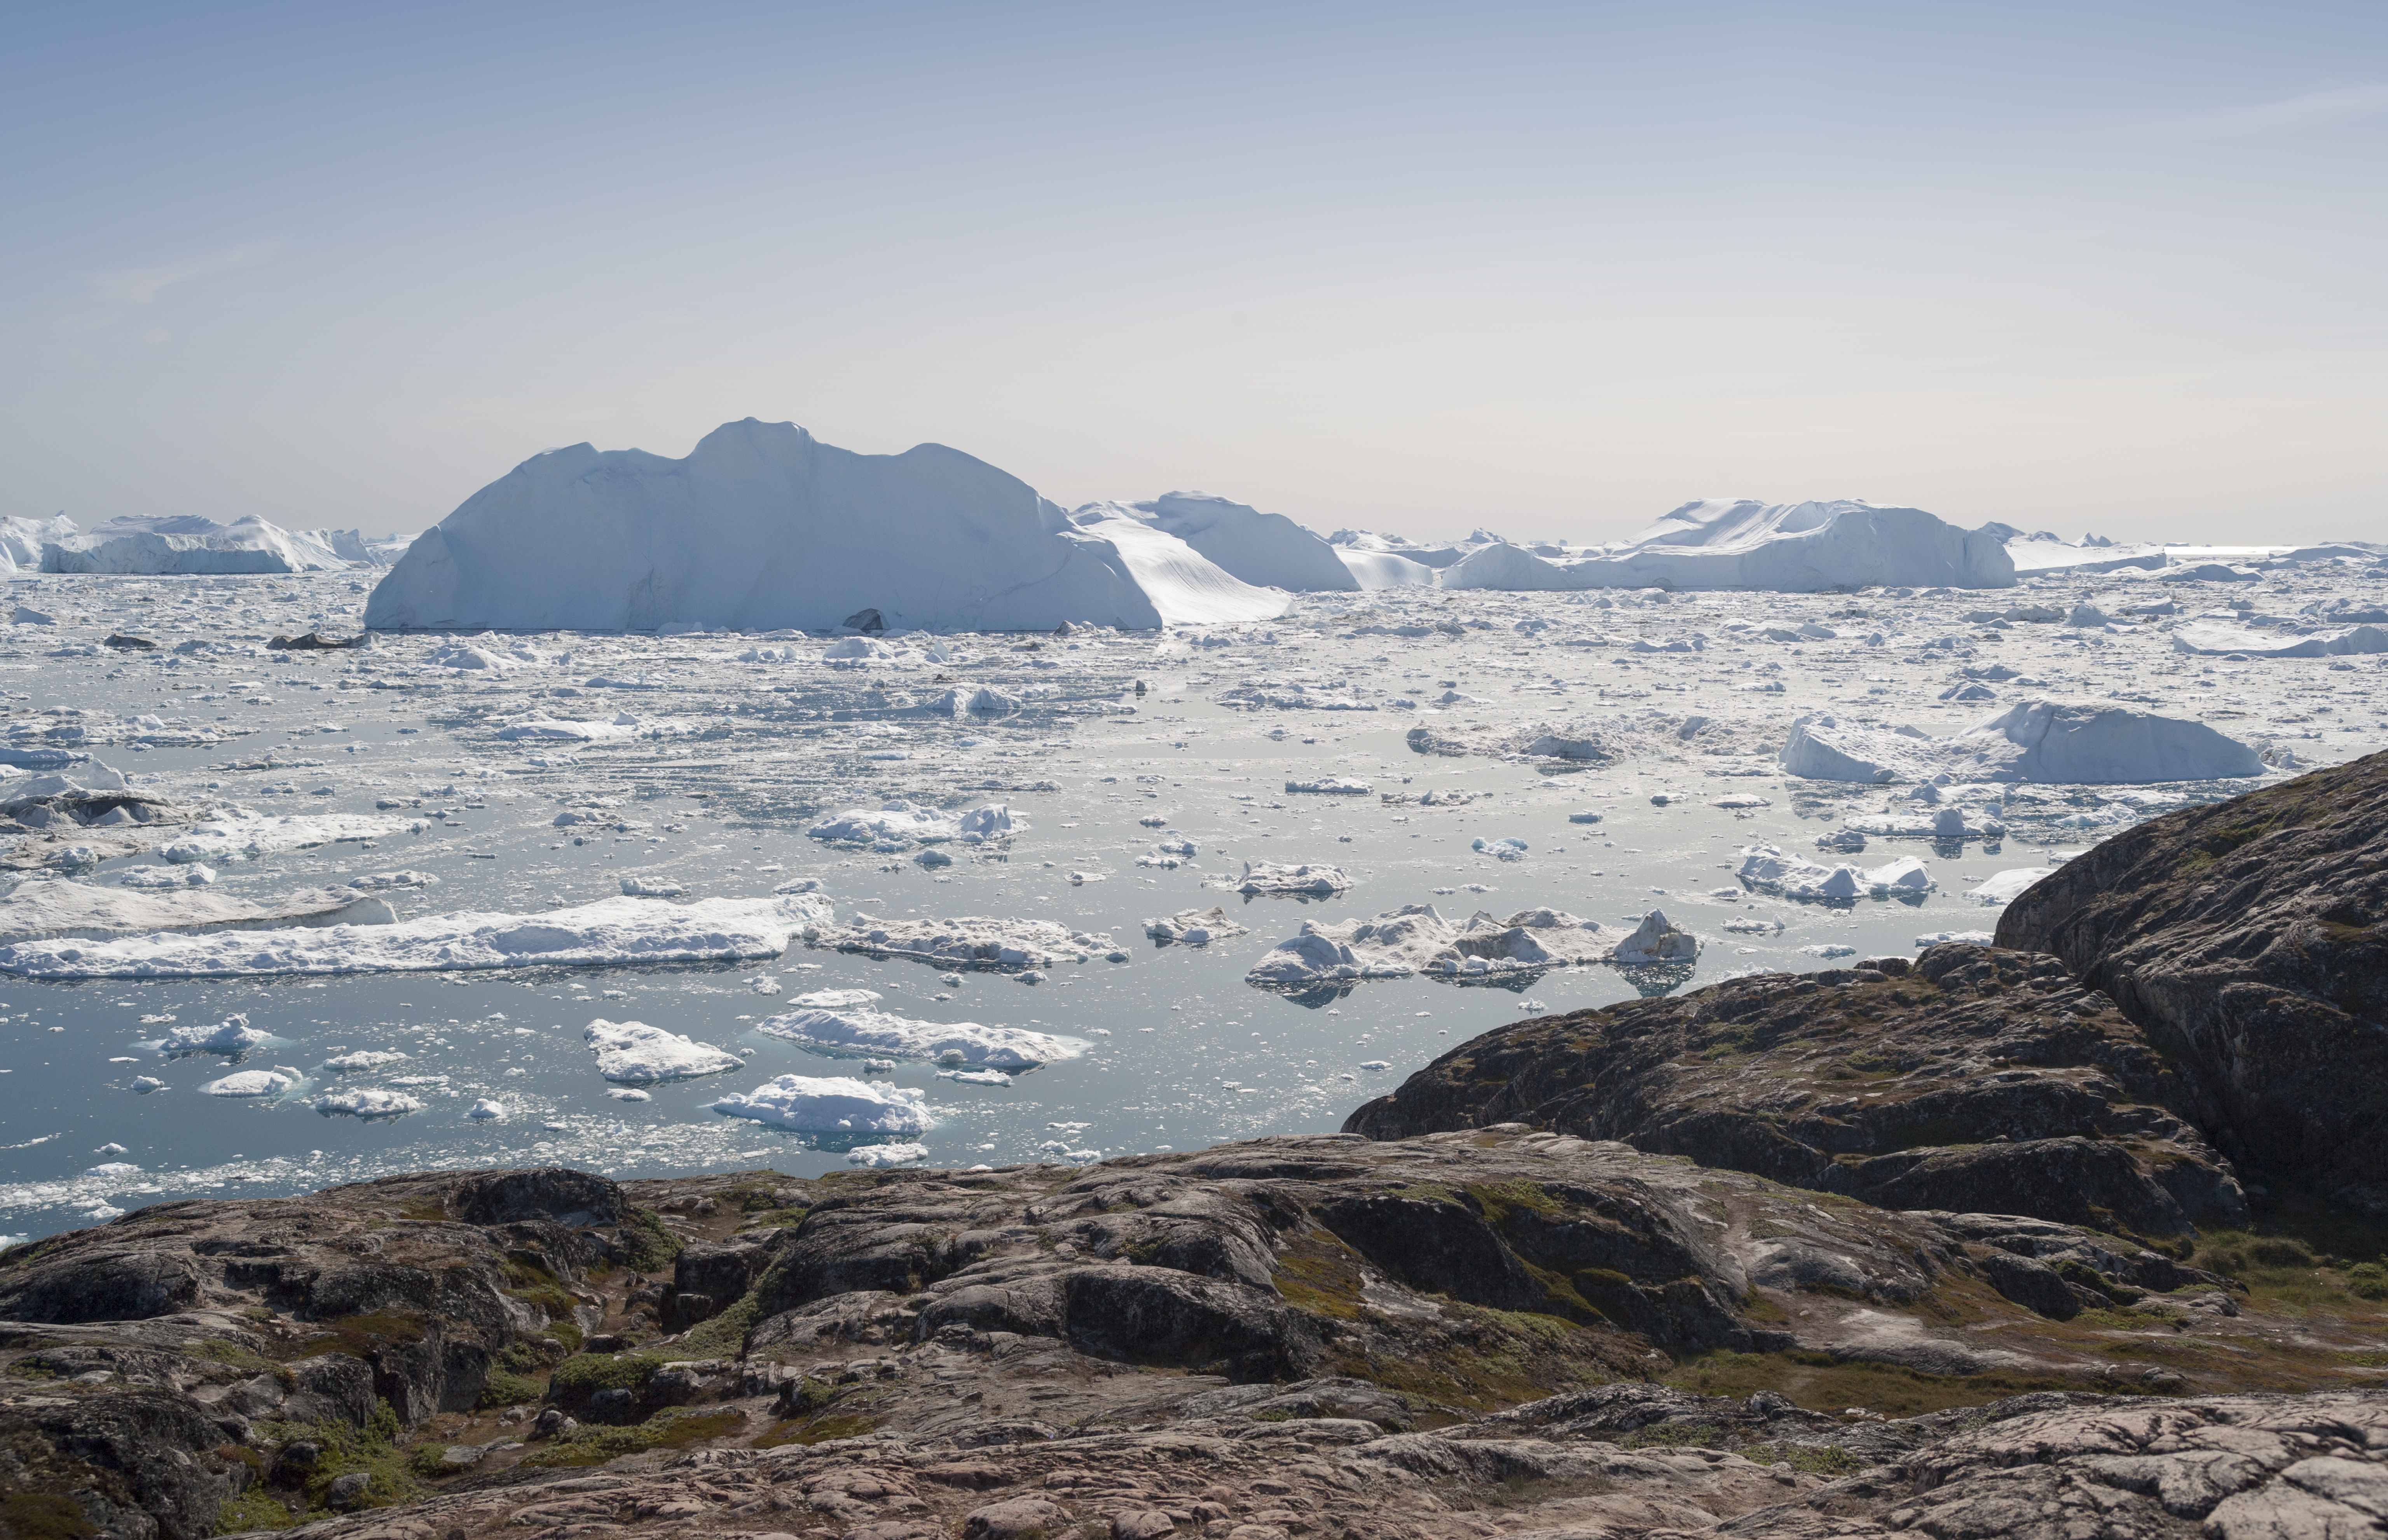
[2250, 939]
[1976, 1080]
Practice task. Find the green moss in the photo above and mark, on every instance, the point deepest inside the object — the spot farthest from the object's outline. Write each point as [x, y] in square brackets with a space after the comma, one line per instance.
[510, 1390]
[676, 1429]
[1501, 1201]
[1427, 1192]
[647, 1243]
[724, 1335]
[1820, 1382]
[813, 1394]
[2368, 1281]
[1829, 1460]
[576, 1379]
[1674, 1435]
[44, 1516]
[218, 1350]
[820, 1430]
[253, 1510]
[371, 1449]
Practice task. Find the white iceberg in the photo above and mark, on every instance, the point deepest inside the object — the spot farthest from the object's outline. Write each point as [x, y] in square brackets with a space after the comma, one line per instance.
[240, 835]
[831, 1105]
[1331, 786]
[190, 543]
[631, 1053]
[37, 909]
[1417, 939]
[2004, 888]
[2082, 742]
[363, 1059]
[1783, 547]
[1268, 551]
[2216, 640]
[880, 1157]
[969, 941]
[1196, 927]
[1772, 870]
[903, 822]
[863, 1032]
[612, 931]
[367, 1102]
[762, 527]
[232, 1035]
[253, 1082]
[1305, 879]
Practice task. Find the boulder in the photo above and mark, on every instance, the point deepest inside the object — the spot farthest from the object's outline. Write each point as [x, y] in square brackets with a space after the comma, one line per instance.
[2249, 940]
[1974, 1080]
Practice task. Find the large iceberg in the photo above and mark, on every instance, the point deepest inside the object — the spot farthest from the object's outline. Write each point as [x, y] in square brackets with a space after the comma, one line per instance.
[1267, 549]
[762, 526]
[2087, 743]
[1784, 547]
[188, 544]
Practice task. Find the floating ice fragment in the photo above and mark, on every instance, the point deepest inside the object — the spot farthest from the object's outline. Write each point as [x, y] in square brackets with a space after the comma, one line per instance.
[486, 1110]
[631, 1053]
[367, 1104]
[880, 1157]
[835, 1104]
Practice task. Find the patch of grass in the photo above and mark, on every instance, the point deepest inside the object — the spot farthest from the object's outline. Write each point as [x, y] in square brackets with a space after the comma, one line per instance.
[510, 1390]
[1820, 1382]
[1320, 1274]
[1427, 1192]
[818, 1430]
[216, 1350]
[44, 1516]
[676, 1428]
[1499, 1201]
[1674, 1435]
[647, 1243]
[1828, 1459]
[254, 1508]
[357, 1335]
[372, 1449]
[777, 1219]
[576, 1379]
[723, 1335]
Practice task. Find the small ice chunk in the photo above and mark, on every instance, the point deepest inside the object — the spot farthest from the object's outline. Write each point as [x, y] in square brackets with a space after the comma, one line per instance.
[880, 1157]
[368, 1102]
[487, 1109]
[631, 1053]
[232, 1035]
[831, 1105]
[252, 1082]
[364, 1058]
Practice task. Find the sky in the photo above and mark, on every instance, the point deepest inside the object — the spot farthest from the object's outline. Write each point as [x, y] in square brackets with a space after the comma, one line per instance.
[1546, 270]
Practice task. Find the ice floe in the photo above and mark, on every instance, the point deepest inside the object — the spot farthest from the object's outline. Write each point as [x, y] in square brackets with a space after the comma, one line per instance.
[860, 1031]
[38, 910]
[1772, 870]
[968, 941]
[1196, 927]
[631, 1053]
[835, 1104]
[1418, 940]
[616, 930]
[1302, 879]
[366, 1102]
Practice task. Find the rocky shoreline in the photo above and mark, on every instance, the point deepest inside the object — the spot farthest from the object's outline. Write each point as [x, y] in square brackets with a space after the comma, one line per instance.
[2013, 1240]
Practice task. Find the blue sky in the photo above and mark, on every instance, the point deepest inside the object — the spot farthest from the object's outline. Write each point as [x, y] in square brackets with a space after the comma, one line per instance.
[1550, 270]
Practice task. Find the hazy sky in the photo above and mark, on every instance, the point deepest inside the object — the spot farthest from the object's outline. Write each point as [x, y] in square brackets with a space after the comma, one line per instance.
[1551, 270]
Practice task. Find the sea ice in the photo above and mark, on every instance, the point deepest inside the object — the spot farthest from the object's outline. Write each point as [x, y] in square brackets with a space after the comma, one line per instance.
[860, 1031]
[611, 931]
[1771, 870]
[2004, 888]
[363, 1059]
[1417, 939]
[1196, 927]
[240, 835]
[253, 1082]
[232, 1035]
[367, 1102]
[37, 909]
[880, 1157]
[1305, 879]
[631, 1053]
[969, 941]
[831, 1105]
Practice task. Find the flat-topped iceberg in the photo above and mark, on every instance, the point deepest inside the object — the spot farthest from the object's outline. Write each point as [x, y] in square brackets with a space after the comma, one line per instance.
[631, 1053]
[1772, 870]
[863, 1032]
[1417, 939]
[191, 543]
[969, 942]
[762, 526]
[1196, 927]
[1304, 879]
[1784, 547]
[2080, 743]
[366, 1103]
[51, 909]
[611, 931]
[832, 1104]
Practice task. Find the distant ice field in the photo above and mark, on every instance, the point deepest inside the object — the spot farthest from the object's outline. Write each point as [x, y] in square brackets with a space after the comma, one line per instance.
[1628, 740]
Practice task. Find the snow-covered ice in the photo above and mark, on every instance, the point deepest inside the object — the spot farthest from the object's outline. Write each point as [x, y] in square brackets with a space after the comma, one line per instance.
[631, 1053]
[833, 1105]
[861, 1032]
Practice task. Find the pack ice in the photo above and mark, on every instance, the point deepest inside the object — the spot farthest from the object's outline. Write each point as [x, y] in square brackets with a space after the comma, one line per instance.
[858, 1031]
[805, 1103]
[2090, 742]
[1787, 547]
[611, 931]
[1417, 939]
[969, 942]
[38, 910]
[762, 526]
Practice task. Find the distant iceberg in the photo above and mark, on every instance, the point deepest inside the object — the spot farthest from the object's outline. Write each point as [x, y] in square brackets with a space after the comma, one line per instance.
[1267, 549]
[762, 526]
[1781, 547]
[187, 544]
